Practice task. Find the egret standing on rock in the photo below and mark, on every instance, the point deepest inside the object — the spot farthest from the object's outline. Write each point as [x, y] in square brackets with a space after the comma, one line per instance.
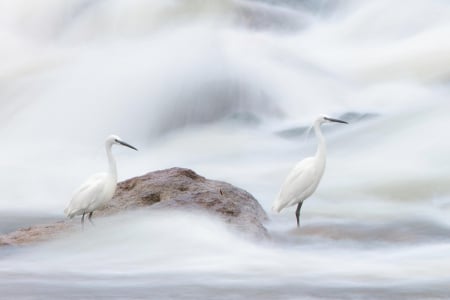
[98, 189]
[304, 178]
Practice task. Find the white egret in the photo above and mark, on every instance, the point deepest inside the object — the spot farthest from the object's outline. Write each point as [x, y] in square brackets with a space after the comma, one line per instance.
[304, 178]
[95, 192]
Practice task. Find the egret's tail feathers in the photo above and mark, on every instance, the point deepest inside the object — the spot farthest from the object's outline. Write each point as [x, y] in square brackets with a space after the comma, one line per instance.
[276, 208]
[68, 213]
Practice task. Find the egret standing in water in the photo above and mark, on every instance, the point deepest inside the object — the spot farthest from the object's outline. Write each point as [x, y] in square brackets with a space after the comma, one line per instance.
[304, 178]
[99, 188]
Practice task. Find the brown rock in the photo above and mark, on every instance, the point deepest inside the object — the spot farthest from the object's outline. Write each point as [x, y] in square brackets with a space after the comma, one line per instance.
[175, 188]
[36, 233]
[179, 188]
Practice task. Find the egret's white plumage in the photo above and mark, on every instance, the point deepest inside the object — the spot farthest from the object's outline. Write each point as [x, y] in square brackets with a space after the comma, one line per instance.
[95, 192]
[304, 178]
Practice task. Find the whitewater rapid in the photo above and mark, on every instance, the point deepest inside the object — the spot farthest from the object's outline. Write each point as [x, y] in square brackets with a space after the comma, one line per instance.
[229, 89]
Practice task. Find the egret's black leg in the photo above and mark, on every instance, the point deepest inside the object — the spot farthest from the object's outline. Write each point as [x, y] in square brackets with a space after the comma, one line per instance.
[297, 213]
[82, 221]
[90, 217]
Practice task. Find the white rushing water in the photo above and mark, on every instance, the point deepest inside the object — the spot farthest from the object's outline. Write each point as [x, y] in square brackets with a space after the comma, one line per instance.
[229, 88]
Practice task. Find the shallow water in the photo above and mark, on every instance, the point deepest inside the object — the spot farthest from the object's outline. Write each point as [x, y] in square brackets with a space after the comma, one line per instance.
[229, 89]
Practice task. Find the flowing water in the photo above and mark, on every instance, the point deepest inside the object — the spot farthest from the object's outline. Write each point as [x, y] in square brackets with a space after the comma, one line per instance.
[229, 88]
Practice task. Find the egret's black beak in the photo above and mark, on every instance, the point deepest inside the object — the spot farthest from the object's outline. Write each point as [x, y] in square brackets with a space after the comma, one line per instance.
[126, 145]
[335, 120]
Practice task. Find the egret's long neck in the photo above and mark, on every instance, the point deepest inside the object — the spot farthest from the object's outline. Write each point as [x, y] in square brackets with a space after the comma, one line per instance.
[111, 161]
[322, 147]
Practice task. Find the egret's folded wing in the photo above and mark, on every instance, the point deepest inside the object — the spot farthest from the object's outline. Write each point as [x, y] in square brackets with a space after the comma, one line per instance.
[86, 194]
[296, 186]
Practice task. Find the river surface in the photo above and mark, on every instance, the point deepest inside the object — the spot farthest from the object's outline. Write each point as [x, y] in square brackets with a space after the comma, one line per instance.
[230, 89]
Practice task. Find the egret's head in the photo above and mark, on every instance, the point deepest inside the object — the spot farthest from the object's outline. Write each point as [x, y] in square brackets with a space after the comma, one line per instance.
[114, 139]
[326, 119]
